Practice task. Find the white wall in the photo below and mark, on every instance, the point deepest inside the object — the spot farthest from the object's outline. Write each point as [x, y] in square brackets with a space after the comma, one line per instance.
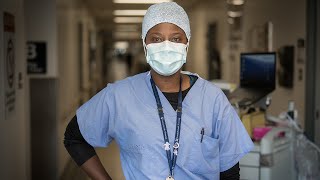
[197, 61]
[56, 23]
[200, 16]
[14, 131]
[288, 18]
[41, 25]
[289, 21]
[69, 95]
[70, 14]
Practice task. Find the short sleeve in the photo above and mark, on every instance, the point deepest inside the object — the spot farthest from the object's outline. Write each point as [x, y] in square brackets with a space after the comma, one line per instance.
[234, 141]
[95, 118]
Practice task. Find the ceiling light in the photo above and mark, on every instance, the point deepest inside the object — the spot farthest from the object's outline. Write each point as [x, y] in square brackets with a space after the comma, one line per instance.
[129, 12]
[140, 1]
[126, 35]
[127, 28]
[121, 45]
[234, 14]
[235, 2]
[128, 19]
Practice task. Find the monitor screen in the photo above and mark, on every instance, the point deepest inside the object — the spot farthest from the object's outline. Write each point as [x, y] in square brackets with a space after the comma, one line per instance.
[258, 70]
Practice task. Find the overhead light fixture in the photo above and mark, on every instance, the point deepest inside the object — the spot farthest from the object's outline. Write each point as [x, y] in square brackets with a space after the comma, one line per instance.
[140, 1]
[121, 45]
[128, 19]
[127, 28]
[126, 35]
[235, 2]
[234, 14]
[129, 12]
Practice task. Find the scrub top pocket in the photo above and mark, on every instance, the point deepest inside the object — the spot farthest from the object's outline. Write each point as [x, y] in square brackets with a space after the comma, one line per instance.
[203, 157]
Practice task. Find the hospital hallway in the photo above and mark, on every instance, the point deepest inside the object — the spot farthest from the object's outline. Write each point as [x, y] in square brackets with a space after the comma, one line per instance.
[57, 54]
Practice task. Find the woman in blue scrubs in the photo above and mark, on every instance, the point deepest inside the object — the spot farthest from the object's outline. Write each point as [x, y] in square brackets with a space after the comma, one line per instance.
[168, 124]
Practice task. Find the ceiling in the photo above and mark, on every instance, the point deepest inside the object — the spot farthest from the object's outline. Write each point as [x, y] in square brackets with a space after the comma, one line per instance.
[102, 10]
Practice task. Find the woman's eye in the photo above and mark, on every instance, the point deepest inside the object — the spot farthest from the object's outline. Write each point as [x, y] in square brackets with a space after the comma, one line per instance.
[156, 39]
[175, 40]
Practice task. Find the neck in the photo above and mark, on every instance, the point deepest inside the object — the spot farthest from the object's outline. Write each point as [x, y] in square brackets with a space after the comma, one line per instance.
[170, 83]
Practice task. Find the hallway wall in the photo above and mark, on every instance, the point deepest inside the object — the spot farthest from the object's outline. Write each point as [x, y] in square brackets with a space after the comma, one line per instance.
[41, 27]
[14, 130]
[200, 16]
[289, 21]
[74, 61]
[288, 27]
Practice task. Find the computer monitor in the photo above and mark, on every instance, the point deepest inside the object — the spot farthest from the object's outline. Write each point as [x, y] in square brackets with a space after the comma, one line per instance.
[258, 70]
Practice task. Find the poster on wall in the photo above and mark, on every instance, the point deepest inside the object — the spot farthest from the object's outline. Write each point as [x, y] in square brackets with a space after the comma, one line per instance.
[9, 64]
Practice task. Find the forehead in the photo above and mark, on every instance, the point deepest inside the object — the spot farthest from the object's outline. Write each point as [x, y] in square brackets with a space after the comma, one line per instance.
[166, 29]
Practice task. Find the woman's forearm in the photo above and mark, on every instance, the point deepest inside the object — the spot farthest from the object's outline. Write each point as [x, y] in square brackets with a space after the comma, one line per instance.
[94, 169]
[83, 153]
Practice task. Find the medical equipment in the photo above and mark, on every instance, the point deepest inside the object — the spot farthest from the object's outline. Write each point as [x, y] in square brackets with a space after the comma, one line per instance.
[288, 155]
[257, 78]
[271, 158]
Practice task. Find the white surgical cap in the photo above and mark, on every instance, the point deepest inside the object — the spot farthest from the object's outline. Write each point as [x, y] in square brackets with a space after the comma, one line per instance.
[167, 12]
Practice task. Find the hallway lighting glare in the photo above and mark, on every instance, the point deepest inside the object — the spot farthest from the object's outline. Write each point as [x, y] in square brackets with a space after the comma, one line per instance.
[127, 28]
[121, 45]
[128, 19]
[126, 35]
[234, 14]
[235, 2]
[129, 12]
[140, 1]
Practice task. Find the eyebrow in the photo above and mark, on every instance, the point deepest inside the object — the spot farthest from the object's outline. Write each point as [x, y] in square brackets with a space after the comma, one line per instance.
[177, 33]
[156, 33]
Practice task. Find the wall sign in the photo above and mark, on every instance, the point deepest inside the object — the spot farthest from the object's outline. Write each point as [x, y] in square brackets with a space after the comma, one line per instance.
[37, 57]
[9, 66]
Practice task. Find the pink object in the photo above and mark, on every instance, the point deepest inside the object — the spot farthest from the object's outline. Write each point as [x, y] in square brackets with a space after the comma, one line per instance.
[259, 132]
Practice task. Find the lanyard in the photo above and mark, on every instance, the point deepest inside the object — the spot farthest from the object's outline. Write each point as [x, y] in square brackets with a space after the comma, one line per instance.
[171, 161]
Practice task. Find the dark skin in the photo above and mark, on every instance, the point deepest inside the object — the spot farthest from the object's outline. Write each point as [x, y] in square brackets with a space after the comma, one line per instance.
[169, 32]
[94, 169]
[159, 33]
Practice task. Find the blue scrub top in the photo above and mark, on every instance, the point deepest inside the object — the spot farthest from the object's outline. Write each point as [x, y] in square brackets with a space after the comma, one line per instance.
[126, 111]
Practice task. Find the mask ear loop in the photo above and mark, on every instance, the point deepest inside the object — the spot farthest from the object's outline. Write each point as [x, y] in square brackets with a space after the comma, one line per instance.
[144, 48]
[188, 43]
[187, 48]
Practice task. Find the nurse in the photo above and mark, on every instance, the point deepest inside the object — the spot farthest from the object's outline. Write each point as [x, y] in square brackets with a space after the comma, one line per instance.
[169, 124]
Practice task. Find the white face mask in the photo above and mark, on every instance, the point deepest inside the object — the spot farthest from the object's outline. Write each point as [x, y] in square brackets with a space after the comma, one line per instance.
[166, 58]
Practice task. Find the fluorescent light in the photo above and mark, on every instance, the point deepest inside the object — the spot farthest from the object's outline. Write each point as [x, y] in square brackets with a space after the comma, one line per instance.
[129, 12]
[126, 35]
[234, 14]
[127, 28]
[140, 1]
[121, 45]
[128, 19]
[235, 2]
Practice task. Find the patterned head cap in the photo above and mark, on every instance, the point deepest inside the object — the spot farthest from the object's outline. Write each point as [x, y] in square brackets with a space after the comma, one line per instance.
[167, 12]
